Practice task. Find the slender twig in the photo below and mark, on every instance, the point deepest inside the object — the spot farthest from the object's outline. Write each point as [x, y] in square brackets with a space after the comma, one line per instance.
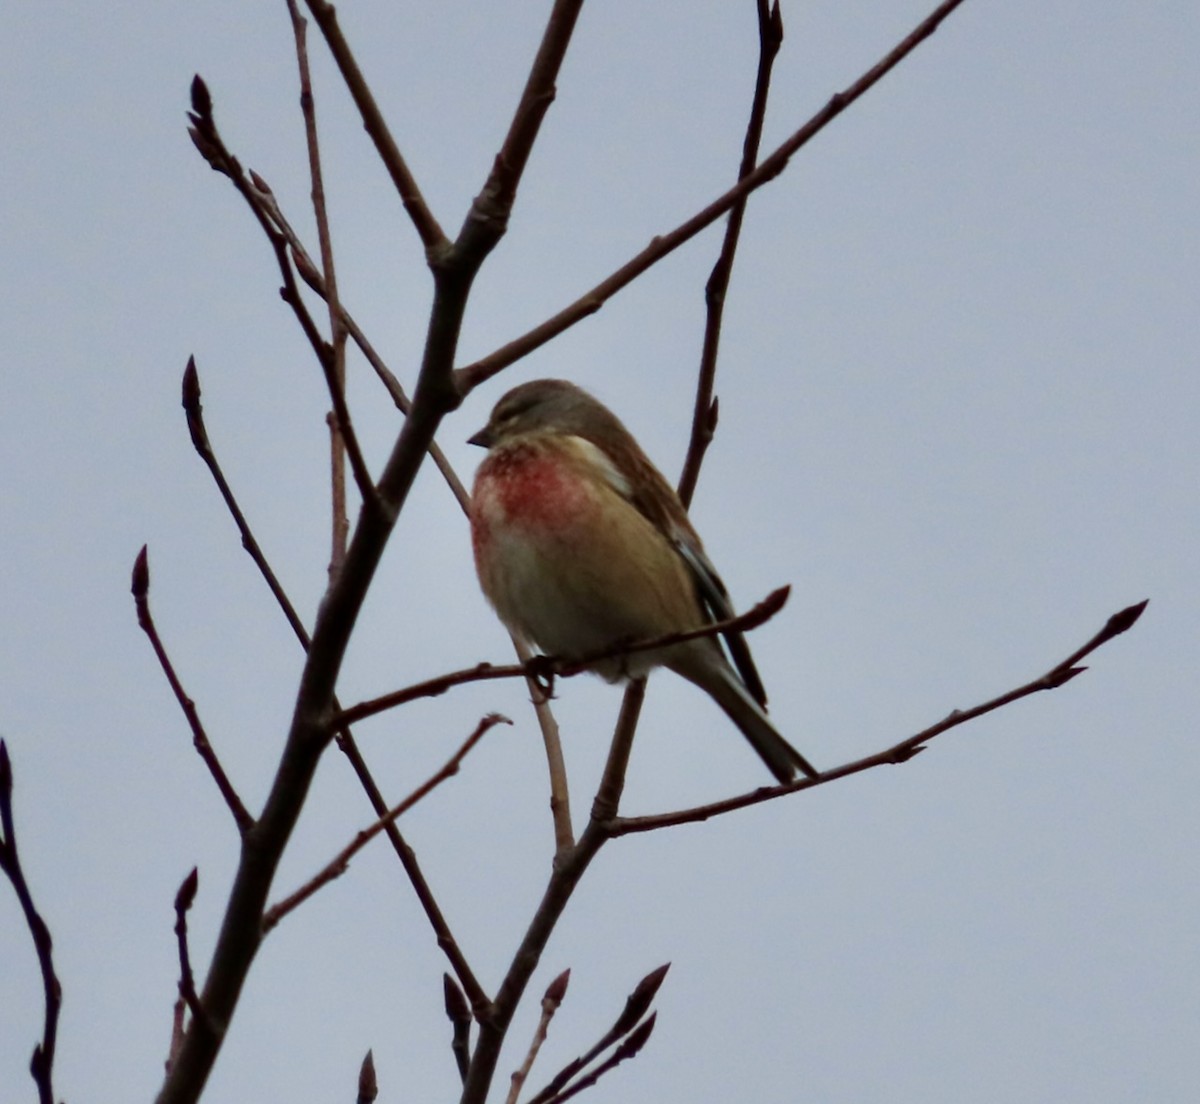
[901, 752]
[497, 197]
[338, 866]
[636, 1006]
[41, 1064]
[555, 991]
[591, 301]
[543, 669]
[212, 148]
[187, 983]
[431, 234]
[141, 590]
[556, 767]
[568, 870]
[458, 1012]
[337, 327]
[416, 876]
[345, 739]
[194, 412]
[704, 412]
[628, 1049]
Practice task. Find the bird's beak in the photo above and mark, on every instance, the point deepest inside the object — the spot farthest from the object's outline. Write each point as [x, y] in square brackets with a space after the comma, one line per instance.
[484, 438]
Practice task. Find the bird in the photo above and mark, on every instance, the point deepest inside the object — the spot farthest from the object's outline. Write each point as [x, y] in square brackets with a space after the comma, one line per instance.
[581, 545]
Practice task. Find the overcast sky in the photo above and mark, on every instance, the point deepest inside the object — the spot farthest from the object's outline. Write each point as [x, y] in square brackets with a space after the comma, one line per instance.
[959, 408]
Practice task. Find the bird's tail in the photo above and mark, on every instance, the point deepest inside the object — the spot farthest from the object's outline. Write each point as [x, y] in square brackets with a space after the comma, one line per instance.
[726, 689]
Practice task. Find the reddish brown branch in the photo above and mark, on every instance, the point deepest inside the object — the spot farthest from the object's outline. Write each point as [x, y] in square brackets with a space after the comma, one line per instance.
[551, 1000]
[41, 1064]
[209, 142]
[422, 218]
[141, 589]
[187, 982]
[474, 374]
[636, 1006]
[543, 669]
[901, 752]
[341, 862]
[337, 327]
[704, 411]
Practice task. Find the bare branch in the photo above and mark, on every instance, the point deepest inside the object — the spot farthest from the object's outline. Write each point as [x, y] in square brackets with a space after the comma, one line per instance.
[473, 375]
[555, 991]
[628, 1049]
[704, 412]
[543, 669]
[41, 1064]
[337, 328]
[341, 862]
[187, 983]
[212, 147]
[498, 194]
[432, 237]
[901, 752]
[195, 421]
[141, 591]
[636, 1006]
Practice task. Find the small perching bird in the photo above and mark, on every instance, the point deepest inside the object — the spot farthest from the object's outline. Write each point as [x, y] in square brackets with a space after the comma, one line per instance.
[581, 545]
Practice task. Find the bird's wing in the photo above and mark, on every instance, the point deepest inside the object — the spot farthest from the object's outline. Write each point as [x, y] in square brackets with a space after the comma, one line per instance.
[716, 601]
[666, 513]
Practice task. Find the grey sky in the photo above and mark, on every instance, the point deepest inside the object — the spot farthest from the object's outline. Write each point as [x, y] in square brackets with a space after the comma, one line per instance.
[959, 403]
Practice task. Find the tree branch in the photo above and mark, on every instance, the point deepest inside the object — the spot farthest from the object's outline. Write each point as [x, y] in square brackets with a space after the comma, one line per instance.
[541, 670]
[212, 148]
[901, 752]
[340, 863]
[430, 233]
[704, 412]
[141, 590]
[41, 1064]
[337, 327]
[187, 983]
[472, 375]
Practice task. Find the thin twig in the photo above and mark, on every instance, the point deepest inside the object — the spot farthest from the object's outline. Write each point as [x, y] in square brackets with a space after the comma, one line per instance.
[636, 1006]
[212, 148]
[194, 412]
[141, 589]
[496, 199]
[341, 862]
[628, 1049]
[337, 327]
[187, 983]
[543, 669]
[472, 375]
[431, 234]
[41, 1064]
[555, 991]
[901, 752]
[704, 411]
